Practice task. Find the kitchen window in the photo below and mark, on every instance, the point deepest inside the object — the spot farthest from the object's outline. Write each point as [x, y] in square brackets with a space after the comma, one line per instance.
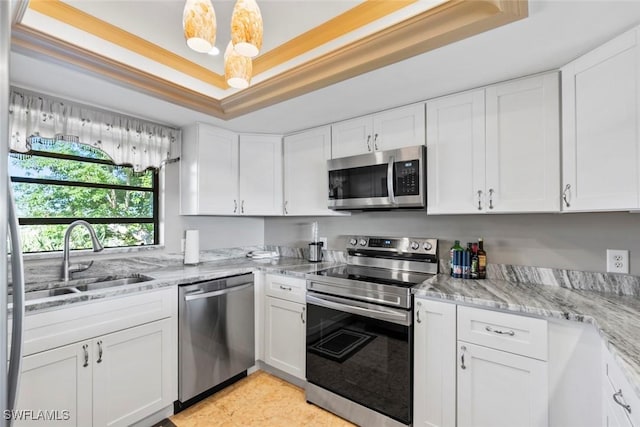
[59, 182]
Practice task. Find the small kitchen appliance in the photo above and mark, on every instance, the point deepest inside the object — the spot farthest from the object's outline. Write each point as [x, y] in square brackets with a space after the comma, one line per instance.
[359, 356]
[315, 251]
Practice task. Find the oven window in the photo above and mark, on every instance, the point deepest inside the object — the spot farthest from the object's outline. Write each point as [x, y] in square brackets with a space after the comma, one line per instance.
[358, 183]
[364, 360]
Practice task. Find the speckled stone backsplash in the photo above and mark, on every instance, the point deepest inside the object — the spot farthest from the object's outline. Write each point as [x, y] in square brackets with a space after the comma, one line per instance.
[618, 284]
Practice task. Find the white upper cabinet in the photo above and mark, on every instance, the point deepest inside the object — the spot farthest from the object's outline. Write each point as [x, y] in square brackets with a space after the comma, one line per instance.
[208, 171]
[222, 173]
[388, 130]
[305, 172]
[523, 145]
[456, 153]
[495, 149]
[260, 175]
[600, 93]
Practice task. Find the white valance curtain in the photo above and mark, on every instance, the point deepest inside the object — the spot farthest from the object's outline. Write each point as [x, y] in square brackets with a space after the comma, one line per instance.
[127, 140]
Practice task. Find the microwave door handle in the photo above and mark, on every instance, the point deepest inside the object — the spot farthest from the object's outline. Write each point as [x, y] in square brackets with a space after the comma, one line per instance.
[392, 196]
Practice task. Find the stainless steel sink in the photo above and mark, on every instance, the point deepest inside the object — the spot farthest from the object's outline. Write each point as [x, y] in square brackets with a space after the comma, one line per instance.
[46, 293]
[83, 285]
[111, 282]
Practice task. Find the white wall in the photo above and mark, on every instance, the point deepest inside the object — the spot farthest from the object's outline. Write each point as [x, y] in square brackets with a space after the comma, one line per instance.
[572, 241]
[215, 232]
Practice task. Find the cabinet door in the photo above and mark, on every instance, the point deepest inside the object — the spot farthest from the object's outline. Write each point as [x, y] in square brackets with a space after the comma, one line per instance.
[398, 128]
[496, 388]
[285, 336]
[600, 128]
[352, 137]
[523, 145]
[305, 172]
[456, 154]
[57, 381]
[214, 167]
[260, 175]
[434, 370]
[134, 373]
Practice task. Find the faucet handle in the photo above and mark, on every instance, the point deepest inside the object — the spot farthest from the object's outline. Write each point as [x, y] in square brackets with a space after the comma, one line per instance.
[74, 268]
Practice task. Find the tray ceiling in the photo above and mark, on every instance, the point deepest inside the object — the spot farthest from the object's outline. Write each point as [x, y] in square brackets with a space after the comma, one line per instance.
[308, 44]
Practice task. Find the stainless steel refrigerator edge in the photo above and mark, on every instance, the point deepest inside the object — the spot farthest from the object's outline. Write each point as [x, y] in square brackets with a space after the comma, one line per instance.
[5, 44]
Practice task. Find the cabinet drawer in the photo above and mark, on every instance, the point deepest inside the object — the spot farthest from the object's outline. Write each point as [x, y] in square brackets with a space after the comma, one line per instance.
[617, 383]
[508, 332]
[285, 287]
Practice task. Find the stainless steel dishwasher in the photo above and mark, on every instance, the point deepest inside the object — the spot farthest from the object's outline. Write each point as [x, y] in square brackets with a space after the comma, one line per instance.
[216, 336]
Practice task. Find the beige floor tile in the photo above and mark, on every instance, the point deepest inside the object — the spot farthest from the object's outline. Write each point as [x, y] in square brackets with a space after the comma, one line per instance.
[260, 400]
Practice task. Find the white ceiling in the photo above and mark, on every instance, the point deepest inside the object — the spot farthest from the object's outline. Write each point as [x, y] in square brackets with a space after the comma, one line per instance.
[554, 33]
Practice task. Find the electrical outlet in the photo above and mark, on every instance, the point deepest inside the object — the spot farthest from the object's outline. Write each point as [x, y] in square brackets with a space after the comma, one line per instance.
[324, 241]
[617, 261]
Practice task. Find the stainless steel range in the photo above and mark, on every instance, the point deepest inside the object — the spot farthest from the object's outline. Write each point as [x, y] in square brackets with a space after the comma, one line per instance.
[360, 329]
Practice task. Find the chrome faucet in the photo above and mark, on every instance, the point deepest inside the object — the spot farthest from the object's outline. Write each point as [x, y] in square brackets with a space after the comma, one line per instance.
[67, 268]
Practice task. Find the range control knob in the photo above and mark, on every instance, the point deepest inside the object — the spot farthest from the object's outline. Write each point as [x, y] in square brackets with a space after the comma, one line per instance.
[414, 246]
[353, 241]
[427, 246]
[363, 242]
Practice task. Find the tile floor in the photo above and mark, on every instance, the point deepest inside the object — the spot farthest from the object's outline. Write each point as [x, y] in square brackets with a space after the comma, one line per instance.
[260, 400]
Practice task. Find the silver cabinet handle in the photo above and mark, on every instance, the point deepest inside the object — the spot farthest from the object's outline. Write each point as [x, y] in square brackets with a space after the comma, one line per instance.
[285, 288]
[375, 142]
[498, 331]
[479, 200]
[85, 348]
[564, 195]
[235, 206]
[368, 142]
[242, 207]
[99, 352]
[617, 395]
[286, 212]
[302, 314]
[462, 365]
[419, 304]
[491, 198]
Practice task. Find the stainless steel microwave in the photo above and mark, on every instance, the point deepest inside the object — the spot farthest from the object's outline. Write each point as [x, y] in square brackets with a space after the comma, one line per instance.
[382, 180]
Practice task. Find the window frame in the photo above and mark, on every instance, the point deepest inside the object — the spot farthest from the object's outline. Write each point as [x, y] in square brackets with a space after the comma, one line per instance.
[154, 189]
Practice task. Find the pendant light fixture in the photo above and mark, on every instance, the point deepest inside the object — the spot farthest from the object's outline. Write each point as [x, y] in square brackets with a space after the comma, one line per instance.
[199, 25]
[237, 68]
[246, 28]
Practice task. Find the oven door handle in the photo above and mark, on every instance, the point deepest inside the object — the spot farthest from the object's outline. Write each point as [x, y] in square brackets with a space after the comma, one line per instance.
[392, 195]
[349, 307]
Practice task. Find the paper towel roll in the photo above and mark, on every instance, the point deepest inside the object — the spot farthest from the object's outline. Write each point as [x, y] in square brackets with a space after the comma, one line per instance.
[192, 247]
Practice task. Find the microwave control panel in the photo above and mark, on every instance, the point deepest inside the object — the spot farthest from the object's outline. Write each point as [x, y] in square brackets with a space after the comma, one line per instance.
[407, 177]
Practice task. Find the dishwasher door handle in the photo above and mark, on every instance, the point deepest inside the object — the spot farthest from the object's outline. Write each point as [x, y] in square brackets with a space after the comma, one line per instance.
[194, 296]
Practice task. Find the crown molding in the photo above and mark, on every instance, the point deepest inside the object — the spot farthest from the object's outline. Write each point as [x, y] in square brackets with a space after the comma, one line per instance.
[447, 23]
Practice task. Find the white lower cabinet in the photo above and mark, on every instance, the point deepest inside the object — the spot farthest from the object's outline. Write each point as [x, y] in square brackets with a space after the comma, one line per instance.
[106, 363]
[434, 373]
[621, 405]
[284, 345]
[132, 374]
[112, 380]
[496, 388]
[57, 380]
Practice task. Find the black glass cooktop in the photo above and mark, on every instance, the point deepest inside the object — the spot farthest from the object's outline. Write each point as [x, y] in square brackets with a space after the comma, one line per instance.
[383, 276]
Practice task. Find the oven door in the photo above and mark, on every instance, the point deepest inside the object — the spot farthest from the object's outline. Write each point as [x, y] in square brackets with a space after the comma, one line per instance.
[361, 352]
[385, 179]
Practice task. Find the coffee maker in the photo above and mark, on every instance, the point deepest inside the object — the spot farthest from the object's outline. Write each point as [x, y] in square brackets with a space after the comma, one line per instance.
[315, 247]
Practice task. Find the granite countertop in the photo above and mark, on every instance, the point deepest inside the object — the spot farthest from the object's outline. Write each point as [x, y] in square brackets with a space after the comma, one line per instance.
[165, 272]
[615, 317]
